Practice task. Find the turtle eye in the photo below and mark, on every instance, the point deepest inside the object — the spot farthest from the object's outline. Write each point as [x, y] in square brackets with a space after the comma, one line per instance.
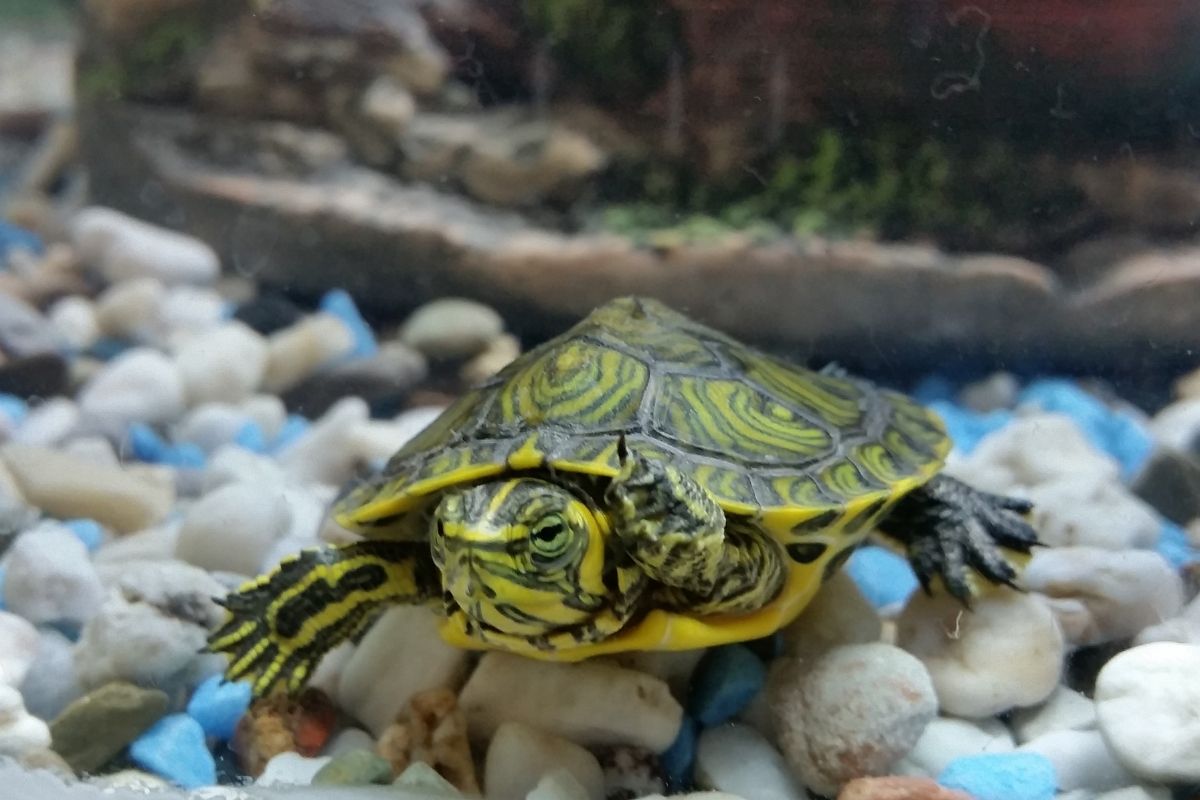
[549, 536]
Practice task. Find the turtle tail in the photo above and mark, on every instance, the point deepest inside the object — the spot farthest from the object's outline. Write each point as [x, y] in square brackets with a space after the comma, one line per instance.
[280, 625]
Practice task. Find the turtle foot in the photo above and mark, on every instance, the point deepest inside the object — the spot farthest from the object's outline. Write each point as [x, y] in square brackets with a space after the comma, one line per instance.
[951, 529]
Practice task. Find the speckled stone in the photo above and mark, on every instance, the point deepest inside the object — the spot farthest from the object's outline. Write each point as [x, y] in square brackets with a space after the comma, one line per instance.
[121, 710]
[354, 768]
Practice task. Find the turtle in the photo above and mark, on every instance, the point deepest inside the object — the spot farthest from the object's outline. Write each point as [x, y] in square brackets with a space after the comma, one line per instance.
[640, 482]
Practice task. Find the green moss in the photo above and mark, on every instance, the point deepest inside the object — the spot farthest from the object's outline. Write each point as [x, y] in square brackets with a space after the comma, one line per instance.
[617, 48]
[894, 182]
[161, 61]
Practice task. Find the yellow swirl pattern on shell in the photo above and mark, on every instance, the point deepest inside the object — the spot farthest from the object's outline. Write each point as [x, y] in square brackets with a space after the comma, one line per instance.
[731, 417]
[836, 401]
[577, 383]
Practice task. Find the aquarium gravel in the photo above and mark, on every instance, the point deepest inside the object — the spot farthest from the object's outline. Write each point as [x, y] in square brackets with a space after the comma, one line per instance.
[170, 432]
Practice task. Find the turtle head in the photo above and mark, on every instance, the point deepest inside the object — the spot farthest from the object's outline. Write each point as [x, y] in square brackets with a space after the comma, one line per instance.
[522, 556]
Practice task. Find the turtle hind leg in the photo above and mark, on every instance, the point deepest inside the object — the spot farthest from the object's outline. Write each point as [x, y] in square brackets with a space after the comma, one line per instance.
[951, 529]
[279, 626]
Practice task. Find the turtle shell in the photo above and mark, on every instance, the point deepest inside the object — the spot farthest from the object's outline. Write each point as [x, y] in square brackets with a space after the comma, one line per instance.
[796, 450]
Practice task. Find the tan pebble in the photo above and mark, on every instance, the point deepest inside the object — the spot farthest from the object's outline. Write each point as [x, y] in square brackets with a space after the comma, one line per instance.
[281, 723]
[298, 351]
[434, 731]
[499, 353]
[66, 486]
[898, 788]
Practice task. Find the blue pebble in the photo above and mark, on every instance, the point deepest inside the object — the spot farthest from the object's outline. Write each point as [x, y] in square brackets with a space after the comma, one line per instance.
[14, 408]
[88, 531]
[146, 444]
[16, 238]
[725, 681]
[293, 428]
[175, 749]
[218, 706]
[339, 303]
[1002, 776]
[932, 389]
[2, 587]
[1117, 433]
[251, 437]
[883, 577]
[677, 760]
[1173, 545]
[186, 455]
[965, 427]
[107, 348]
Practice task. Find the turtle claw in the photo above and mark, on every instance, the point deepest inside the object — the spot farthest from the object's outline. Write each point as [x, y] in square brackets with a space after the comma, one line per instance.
[951, 530]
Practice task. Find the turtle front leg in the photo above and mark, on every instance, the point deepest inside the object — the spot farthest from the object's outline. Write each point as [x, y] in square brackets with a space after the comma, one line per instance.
[667, 523]
[950, 528]
[280, 625]
[673, 528]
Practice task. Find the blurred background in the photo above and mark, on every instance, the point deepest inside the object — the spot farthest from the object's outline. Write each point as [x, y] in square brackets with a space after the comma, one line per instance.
[914, 187]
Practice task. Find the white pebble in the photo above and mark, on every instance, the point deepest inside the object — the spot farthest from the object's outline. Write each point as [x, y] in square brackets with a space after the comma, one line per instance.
[291, 769]
[347, 740]
[1081, 760]
[1148, 707]
[372, 441]
[297, 352]
[852, 714]
[1183, 627]
[674, 667]
[1032, 450]
[49, 423]
[401, 655]
[268, 411]
[558, 784]
[321, 454]
[51, 685]
[1136, 793]
[122, 247]
[152, 544]
[1177, 425]
[307, 511]
[18, 648]
[211, 425]
[234, 527]
[134, 780]
[518, 757]
[1007, 653]
[947, 738]
[67, 487]
[224, 364]
[191, 309]
[737, 759]
[1086, 511]
[20, 731]
[1066, 709]
[233, 464]
[129, 310]
[996, 391]
[588, 703]
[152, 627]
[75, 319]
[94, 449]
[50, 577]
[140, 385]
[451, 327]
[1122, 592]
[839, 614]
